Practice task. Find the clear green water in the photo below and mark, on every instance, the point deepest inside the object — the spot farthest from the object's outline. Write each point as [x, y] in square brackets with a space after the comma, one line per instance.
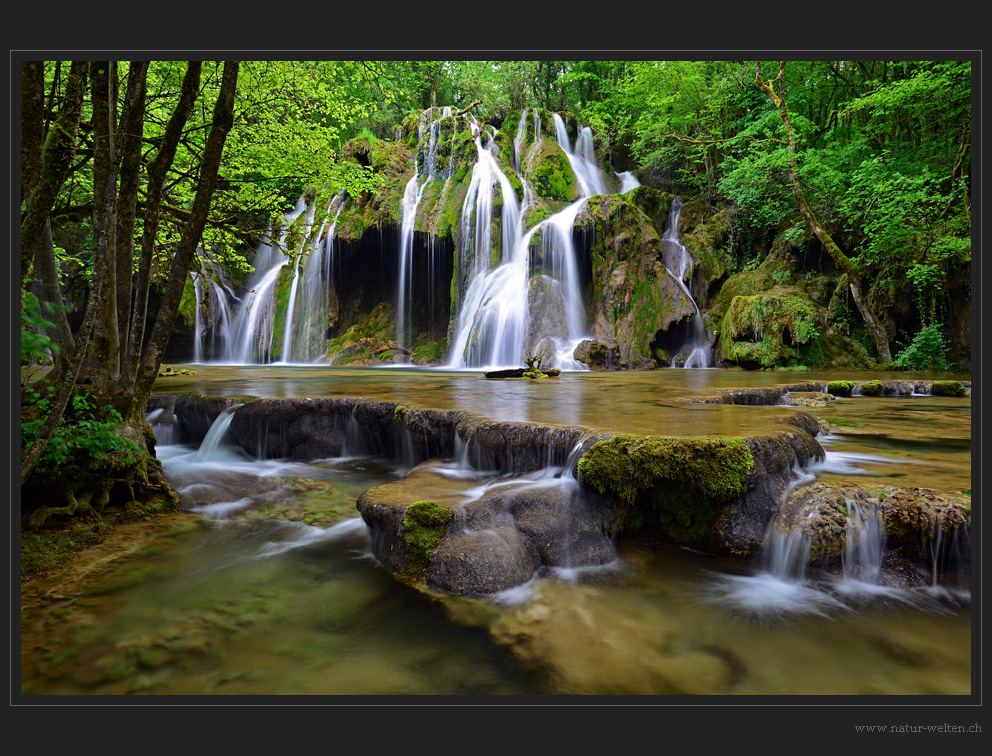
[214, 607]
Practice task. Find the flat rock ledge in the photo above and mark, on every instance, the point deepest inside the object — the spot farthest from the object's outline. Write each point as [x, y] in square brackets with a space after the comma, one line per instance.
[519, 524]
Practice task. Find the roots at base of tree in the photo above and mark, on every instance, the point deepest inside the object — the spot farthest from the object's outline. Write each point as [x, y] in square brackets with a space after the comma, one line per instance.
[97, 489]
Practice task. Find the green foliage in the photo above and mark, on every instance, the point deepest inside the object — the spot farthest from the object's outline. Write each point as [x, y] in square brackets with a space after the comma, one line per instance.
[927, 352]
[35, 342]
[84, 432]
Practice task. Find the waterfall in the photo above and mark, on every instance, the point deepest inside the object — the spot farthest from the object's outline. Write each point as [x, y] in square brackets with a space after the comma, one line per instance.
[423, 174]
[530, 301]
[216, 433]
[242, 330]
[864, 543]
[628, 182]
[678, 262]
[254, 324]
[198, 321]
[287, 341]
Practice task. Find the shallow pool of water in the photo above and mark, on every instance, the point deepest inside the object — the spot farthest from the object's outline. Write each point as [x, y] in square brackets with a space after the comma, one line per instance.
[224, 604]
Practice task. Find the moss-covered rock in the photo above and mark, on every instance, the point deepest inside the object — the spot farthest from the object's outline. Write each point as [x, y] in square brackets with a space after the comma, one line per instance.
[682, 479]
[370, 341]
[840, 388]
[424, 525]
[550, 173]
[871, 388]
[631, 297]
[768, 330]
[947, 388]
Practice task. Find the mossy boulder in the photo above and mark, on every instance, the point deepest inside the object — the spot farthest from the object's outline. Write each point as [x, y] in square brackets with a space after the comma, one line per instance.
[768, 330]
[678, 482]
[550, 173]
[871, 388]
[840, 388]
[947, 388]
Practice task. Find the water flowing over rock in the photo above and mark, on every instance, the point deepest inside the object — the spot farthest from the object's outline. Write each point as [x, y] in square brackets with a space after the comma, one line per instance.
[479, 249]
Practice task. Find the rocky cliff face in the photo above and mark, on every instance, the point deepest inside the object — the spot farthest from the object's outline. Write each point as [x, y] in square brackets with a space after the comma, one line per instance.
[781, 305]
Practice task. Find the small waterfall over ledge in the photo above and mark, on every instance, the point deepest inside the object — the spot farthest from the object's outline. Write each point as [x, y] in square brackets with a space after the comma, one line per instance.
[696, 351]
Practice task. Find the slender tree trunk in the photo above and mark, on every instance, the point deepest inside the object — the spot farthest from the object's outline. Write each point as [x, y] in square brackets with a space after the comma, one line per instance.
[875, 328]
[47, 277]
[157, 171]
[106, 352]
[127, 203]
[32, 124]
[223, 120]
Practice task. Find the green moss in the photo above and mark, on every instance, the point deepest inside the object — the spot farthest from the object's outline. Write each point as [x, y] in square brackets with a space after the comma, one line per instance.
[424, 525]
[872, 388]
[48, 551]
[187, 303]
[947, 388]
[766, 330]
[399, 414]
[680, 481]
[840, 388]
[551, 174]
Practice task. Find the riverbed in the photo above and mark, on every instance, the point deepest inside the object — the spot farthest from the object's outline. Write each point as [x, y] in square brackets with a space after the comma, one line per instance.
[261, 589]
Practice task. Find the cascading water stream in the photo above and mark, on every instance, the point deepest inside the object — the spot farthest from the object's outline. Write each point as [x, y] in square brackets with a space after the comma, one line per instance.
[423, 174]
[215, 434]
[287, 341]
[864, 544]
[251, 341]
[678, 261]
[497, 324]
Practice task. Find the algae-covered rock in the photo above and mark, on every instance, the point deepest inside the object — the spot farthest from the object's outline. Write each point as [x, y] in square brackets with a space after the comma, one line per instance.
[947, 388]
[766, 330]
[684, 479]
[631, 297]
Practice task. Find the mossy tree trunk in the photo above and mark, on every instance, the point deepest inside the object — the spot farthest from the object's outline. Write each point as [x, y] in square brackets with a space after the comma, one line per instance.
[43, 174]
[98, 360]
[872, 323]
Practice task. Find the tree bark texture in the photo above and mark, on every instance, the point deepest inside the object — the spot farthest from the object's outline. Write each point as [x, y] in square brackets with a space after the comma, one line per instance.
[223, 120]
[157, 171]
[56, 158]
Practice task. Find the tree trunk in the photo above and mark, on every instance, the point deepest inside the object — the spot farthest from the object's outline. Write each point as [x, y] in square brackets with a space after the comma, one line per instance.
[223, 120]
[105, 353]
[127, 203]
[875, 328]
[157, 171]
[57, 154]
[50, 290]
